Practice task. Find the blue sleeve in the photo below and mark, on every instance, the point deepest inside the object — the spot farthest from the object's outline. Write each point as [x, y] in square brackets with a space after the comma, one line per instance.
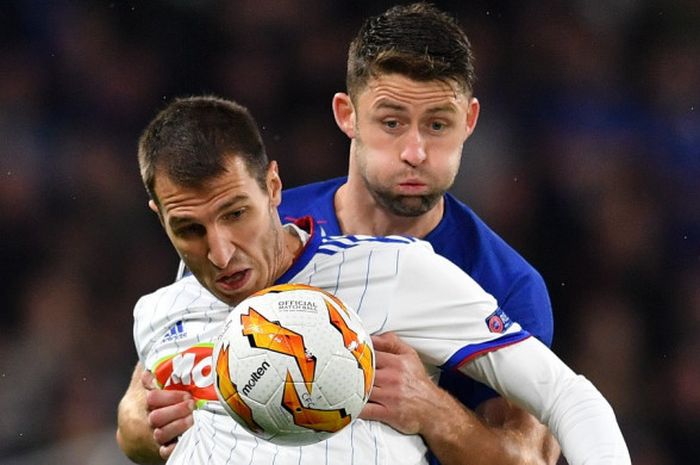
[528, 303]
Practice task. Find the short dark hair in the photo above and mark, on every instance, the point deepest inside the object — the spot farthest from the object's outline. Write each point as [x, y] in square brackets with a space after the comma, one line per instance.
[418, 41]
[190, 140]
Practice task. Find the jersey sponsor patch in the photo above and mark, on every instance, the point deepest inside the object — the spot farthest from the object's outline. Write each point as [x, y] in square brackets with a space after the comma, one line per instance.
[498, 321]
[190, 370]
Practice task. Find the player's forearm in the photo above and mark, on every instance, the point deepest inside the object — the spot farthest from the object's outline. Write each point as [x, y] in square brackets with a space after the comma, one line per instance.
[457, 436]
[574, 410]
[134, 434]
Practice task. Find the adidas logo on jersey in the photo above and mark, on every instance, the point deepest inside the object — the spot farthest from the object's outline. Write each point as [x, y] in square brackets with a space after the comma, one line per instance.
[177, 331]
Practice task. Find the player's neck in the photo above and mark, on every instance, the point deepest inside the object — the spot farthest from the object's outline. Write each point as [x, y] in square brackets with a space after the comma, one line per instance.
[291, 245]
[358, 213]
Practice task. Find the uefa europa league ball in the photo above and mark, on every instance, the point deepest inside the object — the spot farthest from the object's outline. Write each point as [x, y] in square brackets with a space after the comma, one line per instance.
[293, 365]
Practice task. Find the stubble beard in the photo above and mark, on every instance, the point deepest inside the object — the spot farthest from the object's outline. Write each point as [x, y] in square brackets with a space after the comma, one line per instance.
[410, 206]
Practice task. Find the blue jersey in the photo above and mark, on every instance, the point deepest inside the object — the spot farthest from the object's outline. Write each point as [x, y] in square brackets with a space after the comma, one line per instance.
[463, 238]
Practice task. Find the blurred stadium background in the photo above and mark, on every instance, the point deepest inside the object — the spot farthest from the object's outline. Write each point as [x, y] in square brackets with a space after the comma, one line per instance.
[586, 158]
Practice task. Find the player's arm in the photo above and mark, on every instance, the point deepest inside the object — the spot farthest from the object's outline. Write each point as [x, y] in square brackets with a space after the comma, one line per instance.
[406, 398]
[520, 431]
[532, 376]
[134, 434]
[466, 322]
[150, 420]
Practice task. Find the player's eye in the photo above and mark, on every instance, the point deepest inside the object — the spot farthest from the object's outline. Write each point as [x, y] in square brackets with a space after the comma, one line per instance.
[235, 214]
[391, 124]
[190, 230]
[437, 126]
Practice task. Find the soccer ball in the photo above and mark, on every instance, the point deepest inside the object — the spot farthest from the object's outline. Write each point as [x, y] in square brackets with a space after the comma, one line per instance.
[293, 364]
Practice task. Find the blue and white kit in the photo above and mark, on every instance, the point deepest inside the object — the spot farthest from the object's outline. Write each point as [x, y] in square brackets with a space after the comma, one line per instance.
[464, 239]
[395, 284]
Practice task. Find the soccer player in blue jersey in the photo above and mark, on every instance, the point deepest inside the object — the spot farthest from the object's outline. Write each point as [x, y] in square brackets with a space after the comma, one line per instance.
[408, 110]
[204, 165]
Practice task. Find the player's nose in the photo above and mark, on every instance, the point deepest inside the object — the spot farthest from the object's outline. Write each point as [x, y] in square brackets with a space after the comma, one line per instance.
[413, 151]
[220, 248]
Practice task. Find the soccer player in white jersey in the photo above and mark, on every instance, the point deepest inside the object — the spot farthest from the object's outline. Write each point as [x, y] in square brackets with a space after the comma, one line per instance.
[205, 168]
[405, 148]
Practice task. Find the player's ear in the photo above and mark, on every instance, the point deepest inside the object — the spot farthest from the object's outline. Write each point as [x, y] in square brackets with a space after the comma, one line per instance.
[154, 207]
[274, 184]
[473, 108]
[344, 113]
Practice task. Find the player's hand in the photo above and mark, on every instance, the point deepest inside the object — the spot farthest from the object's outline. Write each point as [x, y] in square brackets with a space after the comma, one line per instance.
[403, 393]
[169, 414]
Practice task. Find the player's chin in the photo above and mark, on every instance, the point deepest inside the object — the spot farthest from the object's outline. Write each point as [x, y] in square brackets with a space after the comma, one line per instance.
[229, 297]
[414, 205]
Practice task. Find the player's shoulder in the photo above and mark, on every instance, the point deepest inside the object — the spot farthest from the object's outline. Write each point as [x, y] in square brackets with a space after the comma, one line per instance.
[478, 245]
[496, 266]
[314, 199]
[462, 214]
[312, 191]
[183, 294]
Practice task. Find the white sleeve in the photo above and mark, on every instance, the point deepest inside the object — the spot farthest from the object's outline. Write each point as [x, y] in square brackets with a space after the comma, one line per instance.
[583, 422]
[443, 313]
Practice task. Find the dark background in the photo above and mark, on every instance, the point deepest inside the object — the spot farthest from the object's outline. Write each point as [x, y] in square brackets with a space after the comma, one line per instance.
[586, 158]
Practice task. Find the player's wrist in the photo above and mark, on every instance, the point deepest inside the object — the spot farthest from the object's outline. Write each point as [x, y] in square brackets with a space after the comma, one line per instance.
[446, 418]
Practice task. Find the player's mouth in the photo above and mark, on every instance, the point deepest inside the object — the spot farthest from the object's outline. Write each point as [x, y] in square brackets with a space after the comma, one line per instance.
[233, 282]
[412, 187]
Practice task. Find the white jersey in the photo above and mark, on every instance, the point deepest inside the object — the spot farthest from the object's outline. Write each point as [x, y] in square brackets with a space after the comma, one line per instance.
[395, 284]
